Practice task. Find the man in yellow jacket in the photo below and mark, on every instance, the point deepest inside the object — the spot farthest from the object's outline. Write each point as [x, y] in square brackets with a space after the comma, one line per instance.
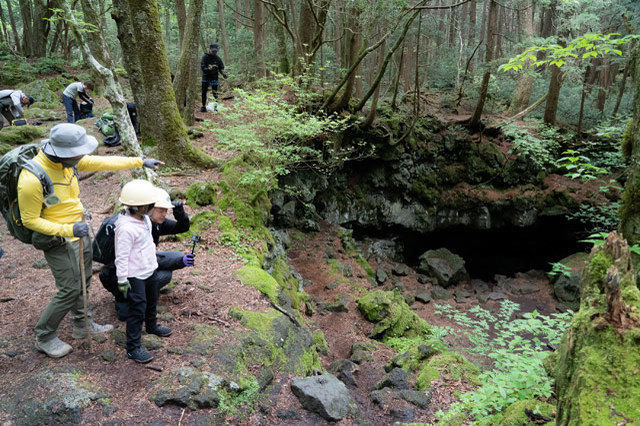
[58, 224]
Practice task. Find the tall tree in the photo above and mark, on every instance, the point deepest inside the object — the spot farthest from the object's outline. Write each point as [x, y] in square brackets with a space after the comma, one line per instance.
[14, 28]
[258, 39]
[166, 130]
[223, 32]
[492, 19]
[522, 94]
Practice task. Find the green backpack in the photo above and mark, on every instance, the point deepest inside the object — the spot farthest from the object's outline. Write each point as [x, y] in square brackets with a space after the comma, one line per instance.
[106, 125]
[11, 164]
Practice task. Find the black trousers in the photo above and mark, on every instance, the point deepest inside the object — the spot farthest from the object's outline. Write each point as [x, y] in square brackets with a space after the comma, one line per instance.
[205, 87]
[143, 302]
[5, 110]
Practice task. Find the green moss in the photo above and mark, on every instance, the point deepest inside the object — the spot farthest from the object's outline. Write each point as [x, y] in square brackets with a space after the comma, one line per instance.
[454, 366]
[289, 284]
[258, 278]
[321, 342]
[426, 375]
[199, 223]
[596, 272]
[20, 135]
[365, 266]
[515, 415]
[201, 194]
[204, 339]
[392, 315]
[225, 224]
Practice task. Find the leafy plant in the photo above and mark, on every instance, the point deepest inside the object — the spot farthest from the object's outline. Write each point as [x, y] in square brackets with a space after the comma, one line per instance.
[516, 346]
[600, 218]
[537, 151]
[579, 166]
[559, 268]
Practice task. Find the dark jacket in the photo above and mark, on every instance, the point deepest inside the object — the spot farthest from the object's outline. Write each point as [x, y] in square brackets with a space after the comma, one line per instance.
[170, 227]
[217, 65]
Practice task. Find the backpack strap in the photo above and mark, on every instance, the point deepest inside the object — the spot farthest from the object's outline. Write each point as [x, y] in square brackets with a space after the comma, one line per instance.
[43, 177]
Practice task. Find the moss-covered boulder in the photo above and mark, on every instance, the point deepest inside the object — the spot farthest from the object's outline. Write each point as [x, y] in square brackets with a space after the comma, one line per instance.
[39, 89]
[517, 413]
[597, 379]
[201, 194]
[260, 279]
[187, 387]
[392, 315]
[20, 135]
[42, 114]
[55, 396]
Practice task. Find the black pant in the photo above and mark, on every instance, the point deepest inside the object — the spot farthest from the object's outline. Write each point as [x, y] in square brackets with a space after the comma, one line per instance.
[205, 87]
[168, 261]
[5, 109]
[143, 302]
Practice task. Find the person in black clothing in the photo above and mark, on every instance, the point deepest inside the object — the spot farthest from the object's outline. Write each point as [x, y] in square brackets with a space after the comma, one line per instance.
[168, 261]
[211, 65]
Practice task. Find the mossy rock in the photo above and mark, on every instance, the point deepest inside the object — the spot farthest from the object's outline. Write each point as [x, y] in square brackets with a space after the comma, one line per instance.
[188, 387]
[39, 89]
[199, 223]
[42, 114]
[392, 315]
[260, 279]
[515, 415]
[20, 135]
[45, 105]
[450, 364]
[204, 339]
[52, 396]
[596, 380]
[201, 194]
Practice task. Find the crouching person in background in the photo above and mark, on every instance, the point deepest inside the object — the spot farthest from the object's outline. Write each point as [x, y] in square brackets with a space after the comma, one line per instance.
[136, 266]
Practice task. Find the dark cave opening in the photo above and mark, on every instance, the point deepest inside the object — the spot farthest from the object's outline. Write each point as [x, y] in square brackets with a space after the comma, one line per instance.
[505, 250]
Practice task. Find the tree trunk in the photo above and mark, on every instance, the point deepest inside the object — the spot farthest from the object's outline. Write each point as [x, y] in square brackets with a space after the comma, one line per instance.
[472, 23]
[630, 210]
[258, 39]
[120, 14]
[489, 43]
[4, 34]
[223, 32]
[623, 84]
[284, 67]
[555, 84]
[167, 132]
[522, 94]
[374, 102]
[237, 18]
[113, 91]
[352, 54]
[306, 29]
[14, 28]
[181, 17]
[96, 42]
[185, 69]
[27, 30]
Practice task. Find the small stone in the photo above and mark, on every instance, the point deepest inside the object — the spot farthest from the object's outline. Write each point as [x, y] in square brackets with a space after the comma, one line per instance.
[359, 356]
[290, 414]
[439, 293]
[417, 398]
[337, 306]
[400, 270]
[423, 279]
[396, 379]
[479, 286]
[347, 271]
[380, 397]
[425, 351]
[496, 296]
[330, 253]
[332, 285]
[381, 276]
[108, 356]
[423, 297]
[405, 415]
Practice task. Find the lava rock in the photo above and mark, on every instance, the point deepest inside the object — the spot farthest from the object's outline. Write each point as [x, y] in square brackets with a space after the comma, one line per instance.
[324, 395]
[417, 398]
[567, 290]
[400, 270]
[344, 370]
[423, 297]
[381, 276]
[396, 379]
[446, 267]
[439, 293]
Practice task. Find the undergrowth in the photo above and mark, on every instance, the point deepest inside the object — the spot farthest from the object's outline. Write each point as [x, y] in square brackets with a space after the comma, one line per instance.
[514, 344]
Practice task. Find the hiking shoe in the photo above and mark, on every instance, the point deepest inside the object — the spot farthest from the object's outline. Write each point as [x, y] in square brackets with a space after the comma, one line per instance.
[161, 331]
[140, 355]
[55, 348]
[122, 310]
[203, 109]
[94, 328]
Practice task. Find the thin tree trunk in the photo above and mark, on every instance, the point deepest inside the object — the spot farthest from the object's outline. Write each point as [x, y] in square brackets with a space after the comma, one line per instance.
[533, 106]
[258, 39]
[4, 34]
[522, 94]
[181, 17]
[555, 84]
[284, 67]
[167, 26]
[237, 18]
[472, 23]
[113, 91]
[185, 69]
[96, 42]
[223, 32]
[27, 30]
[374, 102]
[14, 28]
[489, 43]
[353, 56]
[623, 83]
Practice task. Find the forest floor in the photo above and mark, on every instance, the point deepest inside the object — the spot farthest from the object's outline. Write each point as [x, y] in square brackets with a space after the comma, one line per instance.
[203, 295]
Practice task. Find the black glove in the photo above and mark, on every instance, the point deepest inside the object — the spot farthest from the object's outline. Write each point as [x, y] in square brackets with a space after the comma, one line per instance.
[188, 259]
[176, 204]
[80, 229]
[124, 288]
[151, 163]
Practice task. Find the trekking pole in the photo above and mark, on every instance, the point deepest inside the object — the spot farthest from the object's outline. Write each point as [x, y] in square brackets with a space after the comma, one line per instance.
[84, 290]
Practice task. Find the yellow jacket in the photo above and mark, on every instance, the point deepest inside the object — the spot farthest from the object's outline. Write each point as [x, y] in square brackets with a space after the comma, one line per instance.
[59, 219]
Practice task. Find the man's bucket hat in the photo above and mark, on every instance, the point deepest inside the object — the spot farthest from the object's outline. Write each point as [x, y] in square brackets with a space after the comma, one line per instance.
[68, 140]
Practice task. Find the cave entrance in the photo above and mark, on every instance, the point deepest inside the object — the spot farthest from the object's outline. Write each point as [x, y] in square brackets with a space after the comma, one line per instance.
[505, 250]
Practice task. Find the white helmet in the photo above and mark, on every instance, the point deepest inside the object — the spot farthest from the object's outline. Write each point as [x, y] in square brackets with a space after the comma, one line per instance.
[138, 192]
[163, 200]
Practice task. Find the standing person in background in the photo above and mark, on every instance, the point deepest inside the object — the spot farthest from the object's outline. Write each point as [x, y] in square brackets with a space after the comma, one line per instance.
[211, 64]
[69, 95]
[11, 103]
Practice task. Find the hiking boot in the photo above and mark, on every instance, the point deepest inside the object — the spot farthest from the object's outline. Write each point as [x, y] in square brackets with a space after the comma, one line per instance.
[140, 355]
[94, 328]
[203, 109]
[55, 348]
[161, 331]
[122, 310]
